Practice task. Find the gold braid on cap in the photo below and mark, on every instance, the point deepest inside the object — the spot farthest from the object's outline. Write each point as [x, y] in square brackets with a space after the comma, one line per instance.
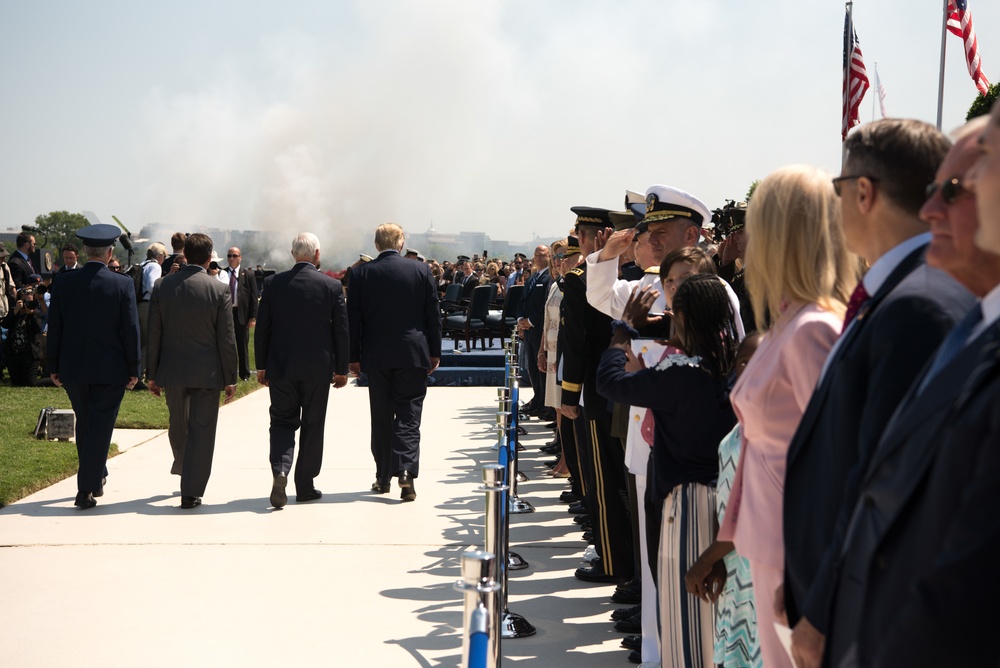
[657, 216]
[587, 219]
[571, 250]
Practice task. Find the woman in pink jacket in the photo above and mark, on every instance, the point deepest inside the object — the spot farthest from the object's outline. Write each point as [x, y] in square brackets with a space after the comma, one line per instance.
[799, 276]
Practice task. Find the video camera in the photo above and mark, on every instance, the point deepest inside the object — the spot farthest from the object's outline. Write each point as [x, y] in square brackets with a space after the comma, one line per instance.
[728, 217]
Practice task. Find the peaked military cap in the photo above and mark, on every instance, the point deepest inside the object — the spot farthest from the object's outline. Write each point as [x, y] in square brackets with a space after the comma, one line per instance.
[101, 235]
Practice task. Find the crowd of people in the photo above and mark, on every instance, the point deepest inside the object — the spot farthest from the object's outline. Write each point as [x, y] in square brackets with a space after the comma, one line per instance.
[780, 441]
[782, 447]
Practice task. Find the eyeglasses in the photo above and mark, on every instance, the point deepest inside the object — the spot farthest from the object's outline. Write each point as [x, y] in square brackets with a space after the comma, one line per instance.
[840, 179]
[951, 190]
[232, 255]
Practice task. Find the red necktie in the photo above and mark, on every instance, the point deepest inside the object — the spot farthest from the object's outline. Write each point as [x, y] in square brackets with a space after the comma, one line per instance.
[858, 297]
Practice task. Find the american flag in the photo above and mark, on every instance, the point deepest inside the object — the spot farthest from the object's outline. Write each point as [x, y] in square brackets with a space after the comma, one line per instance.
[960, 23]
[855, 77]
[880, 89]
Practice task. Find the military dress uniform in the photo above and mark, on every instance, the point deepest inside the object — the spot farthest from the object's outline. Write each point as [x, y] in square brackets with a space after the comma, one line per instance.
[587, 334]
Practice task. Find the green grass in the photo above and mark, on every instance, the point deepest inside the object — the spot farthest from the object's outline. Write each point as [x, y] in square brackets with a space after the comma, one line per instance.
[28, 464]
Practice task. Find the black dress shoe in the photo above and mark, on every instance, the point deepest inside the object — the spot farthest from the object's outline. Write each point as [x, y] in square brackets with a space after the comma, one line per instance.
[381, 487]
[406, 489]
[631, 625]
[568, 497]
[552, 447]
[625, 613]
[635, 656]
[188, 502]
[582, 519]
[630, 592]
[308, 495]
[588, 536]
[596, 574]
[551, 425]
[84, 500]
[632, 642]
[577, 509]
[278, 497]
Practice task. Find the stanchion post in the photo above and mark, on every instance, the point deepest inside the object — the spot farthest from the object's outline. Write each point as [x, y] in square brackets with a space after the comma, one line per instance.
[494, 540]
[481, 618]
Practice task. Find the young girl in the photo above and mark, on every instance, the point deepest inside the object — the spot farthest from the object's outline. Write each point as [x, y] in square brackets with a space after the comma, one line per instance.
[686, 392]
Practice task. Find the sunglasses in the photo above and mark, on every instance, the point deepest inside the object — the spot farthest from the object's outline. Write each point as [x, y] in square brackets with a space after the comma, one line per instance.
[232, 255]
[951, 190]
[840, 179]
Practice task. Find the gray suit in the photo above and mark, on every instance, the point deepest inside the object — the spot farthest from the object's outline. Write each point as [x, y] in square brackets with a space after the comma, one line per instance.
[192, 354]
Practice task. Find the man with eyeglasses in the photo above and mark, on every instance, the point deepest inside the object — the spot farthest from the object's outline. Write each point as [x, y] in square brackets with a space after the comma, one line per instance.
[898, 315]
[20, 262]
[243, 290]
[921, 514]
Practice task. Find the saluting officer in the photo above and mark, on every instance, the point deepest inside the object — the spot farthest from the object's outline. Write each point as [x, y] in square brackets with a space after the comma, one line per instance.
[586, 334]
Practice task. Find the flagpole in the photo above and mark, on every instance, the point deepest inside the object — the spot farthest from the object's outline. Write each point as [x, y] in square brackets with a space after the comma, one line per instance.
[944, 34]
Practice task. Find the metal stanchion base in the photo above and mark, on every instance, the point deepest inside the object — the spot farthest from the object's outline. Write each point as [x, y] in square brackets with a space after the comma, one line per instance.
[521, 477]
[519, 507]
[513, 625]
[515, 562]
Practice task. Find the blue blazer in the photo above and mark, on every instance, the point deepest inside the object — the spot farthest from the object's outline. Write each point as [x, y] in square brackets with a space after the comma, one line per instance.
[917, 574]
[392, 308]
[302, 331]
[898, 329]
[93, 334]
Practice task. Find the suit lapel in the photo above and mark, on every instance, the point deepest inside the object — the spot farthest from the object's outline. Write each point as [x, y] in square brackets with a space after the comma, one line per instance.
[916, 410]
[818, 400]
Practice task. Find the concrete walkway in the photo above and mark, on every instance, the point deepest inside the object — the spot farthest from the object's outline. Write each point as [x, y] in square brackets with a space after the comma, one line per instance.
[355, 579]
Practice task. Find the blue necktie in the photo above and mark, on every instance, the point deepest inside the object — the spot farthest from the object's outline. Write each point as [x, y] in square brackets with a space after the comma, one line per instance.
[953, 344]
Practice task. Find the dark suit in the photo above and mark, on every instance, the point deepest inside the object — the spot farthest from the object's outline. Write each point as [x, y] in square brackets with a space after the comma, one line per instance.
[917, 575]
[532, 308]
[876, 361]
[301, 341]
[244, 310]
[192, 354]
[586, 333]
[93, 345]
[395, 331]
[19, 269]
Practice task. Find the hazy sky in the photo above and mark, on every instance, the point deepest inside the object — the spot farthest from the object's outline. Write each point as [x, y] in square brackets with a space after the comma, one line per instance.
[491, 115]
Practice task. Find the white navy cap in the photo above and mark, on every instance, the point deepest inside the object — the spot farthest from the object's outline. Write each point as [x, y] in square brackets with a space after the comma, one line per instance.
[668, 203]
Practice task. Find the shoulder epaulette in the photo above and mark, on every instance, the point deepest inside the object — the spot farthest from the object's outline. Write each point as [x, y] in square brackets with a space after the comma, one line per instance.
[575, 272]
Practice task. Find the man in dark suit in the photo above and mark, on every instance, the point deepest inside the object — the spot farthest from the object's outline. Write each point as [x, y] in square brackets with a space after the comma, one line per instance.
[530, 319]
[302, 347]
[192, 355]
[396, 340]
[20, 260]
[926, 522]
[243, 295]
[93, 351]
[902, 310]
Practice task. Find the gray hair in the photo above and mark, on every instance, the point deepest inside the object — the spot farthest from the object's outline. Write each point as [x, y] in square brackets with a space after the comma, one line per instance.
[304, 246]
[95, 252]
[155, 248]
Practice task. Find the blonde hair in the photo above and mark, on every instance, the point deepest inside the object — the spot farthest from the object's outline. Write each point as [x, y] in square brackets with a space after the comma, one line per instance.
[795, 244]
[388, 236]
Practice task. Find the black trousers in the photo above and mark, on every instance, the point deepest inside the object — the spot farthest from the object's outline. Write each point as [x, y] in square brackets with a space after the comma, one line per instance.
[96, 408]
[396, 399]
[532, 343]
[297, 404]
[242, 341]
[194, 416]
[567, 439]
[607, 496]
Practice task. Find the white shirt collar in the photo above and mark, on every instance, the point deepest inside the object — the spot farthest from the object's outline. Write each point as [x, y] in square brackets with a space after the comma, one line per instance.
[885, 265]
[991, 306]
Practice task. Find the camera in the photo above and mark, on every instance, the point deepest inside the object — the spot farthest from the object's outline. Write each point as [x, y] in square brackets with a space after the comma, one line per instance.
[213, 265]
[726, 218]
